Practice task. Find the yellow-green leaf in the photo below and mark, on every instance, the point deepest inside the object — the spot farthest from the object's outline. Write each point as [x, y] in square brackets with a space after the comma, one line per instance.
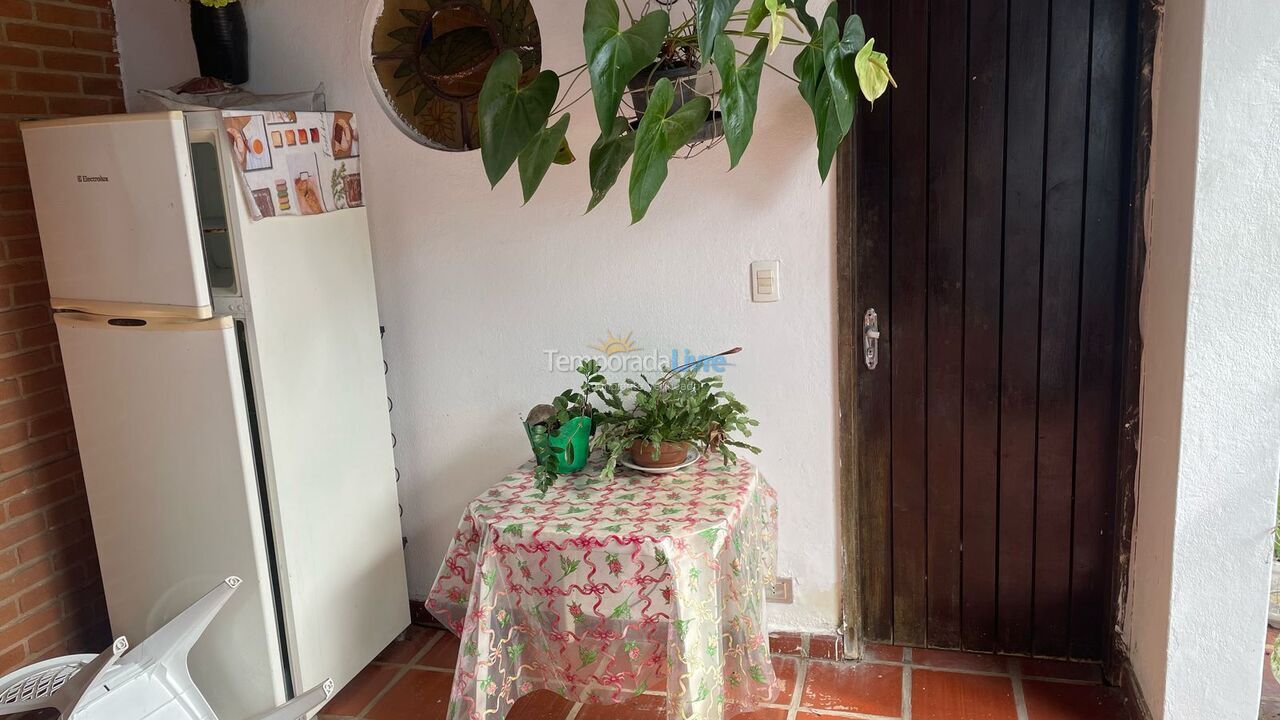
[565, 155]
[872, 67]
[775, 23]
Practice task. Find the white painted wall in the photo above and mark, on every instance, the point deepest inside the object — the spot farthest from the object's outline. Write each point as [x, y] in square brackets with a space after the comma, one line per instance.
[1210, 450]
[473, 288]
[155, 37]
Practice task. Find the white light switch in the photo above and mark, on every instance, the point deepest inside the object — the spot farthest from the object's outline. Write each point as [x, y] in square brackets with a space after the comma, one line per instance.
[764, 281]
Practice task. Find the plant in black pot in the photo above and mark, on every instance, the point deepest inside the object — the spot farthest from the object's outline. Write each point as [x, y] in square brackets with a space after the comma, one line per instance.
[222, 39]
[659, 61]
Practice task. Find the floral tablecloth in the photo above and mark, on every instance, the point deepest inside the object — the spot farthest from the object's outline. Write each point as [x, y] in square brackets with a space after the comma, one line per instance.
[602, 592]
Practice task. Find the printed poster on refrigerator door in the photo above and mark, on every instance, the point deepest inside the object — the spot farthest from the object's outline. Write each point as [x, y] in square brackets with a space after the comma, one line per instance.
[295, 163]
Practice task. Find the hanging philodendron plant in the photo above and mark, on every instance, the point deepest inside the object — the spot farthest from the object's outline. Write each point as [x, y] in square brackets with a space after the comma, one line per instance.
[832, 66]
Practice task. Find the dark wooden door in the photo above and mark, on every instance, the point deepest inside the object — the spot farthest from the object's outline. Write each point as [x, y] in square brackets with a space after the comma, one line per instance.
[991, 208]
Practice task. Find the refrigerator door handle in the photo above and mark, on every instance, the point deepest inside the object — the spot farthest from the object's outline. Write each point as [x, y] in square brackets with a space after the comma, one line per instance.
[156, 323]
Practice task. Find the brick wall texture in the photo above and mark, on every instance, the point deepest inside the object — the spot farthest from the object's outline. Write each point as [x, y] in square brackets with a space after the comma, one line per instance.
[57, 58]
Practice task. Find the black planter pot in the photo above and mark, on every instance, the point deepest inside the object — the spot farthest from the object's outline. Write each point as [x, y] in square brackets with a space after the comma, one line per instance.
[642, 84]
[222, 41]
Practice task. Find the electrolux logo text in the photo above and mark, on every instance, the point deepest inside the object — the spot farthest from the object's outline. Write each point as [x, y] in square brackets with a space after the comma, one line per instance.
[622, 354]
[92, 178]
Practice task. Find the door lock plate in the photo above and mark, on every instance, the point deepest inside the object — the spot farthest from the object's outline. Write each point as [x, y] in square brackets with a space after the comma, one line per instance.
[871, 339]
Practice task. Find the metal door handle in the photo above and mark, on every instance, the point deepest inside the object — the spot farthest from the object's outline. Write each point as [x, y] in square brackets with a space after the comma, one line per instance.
[871, 339]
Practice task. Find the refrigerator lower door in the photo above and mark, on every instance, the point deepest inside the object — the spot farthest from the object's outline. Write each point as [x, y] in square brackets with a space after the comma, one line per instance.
[165, 442]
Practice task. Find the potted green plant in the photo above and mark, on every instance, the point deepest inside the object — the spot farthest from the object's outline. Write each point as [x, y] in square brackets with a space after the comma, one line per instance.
[657, 422]
[832, 66]
[560, 432]
[222, 39]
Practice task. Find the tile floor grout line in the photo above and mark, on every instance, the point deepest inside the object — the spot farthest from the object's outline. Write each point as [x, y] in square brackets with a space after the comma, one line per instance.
[979, 673]
[404, 670]
[1061, 680]
[1019, 698]
[844, 714]
[935, 668]
[797, 689]
[432, 668]
[905, 711]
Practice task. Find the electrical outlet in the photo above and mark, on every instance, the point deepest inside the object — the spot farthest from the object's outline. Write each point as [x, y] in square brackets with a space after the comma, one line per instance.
[779, 591]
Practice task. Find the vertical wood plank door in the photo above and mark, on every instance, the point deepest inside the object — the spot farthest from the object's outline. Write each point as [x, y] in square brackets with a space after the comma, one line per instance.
[991, 205]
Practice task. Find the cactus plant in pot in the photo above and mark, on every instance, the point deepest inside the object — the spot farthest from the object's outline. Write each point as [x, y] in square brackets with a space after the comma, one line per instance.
[657, 422]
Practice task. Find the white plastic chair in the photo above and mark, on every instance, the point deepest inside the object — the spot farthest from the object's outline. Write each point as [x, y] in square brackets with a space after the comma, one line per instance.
[150, 682]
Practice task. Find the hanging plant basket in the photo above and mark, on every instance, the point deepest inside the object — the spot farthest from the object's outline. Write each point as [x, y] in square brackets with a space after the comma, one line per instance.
[222, 41]
[634, 68]
[690, 80]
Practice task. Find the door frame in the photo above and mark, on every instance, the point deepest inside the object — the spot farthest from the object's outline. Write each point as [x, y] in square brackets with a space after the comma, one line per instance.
[849, 354]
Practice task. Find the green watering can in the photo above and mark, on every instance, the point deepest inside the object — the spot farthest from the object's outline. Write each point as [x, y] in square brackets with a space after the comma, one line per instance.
[570, 445]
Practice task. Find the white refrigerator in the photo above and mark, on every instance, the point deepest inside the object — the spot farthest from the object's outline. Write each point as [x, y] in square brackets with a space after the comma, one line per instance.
[226, 382]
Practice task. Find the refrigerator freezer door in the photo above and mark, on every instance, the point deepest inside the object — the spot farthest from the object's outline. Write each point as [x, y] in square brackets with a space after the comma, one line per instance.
[164, 439]
[117, 211]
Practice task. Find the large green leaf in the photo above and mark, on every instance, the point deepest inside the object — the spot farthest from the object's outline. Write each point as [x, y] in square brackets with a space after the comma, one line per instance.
[510, 115]
[739, 94]
[873, 71]
[831, 131]
[610, 152]
[614, 56]
[658, 138]
[755, 15]
[537, 156]
[839, 53]
[808, 67]
[815, 87]
[713, 17]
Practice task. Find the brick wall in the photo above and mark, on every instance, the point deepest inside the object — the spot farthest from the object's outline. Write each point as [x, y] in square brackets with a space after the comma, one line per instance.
[57, 58]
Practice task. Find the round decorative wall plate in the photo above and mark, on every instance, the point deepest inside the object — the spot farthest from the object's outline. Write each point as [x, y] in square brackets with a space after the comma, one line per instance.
[430, 58]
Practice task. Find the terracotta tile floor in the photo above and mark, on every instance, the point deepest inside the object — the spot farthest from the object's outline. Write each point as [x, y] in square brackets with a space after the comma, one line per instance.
[1270, 708]
[410, 681]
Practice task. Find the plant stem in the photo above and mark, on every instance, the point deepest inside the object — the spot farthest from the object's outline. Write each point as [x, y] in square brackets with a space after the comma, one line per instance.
[565, 106]
[785, 39]
[562, 105]
[662, 380]
[578, 69]
[680, 27]
[772, 67]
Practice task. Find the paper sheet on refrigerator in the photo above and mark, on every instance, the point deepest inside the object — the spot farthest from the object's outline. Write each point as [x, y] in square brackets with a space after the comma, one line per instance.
[295, 163]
